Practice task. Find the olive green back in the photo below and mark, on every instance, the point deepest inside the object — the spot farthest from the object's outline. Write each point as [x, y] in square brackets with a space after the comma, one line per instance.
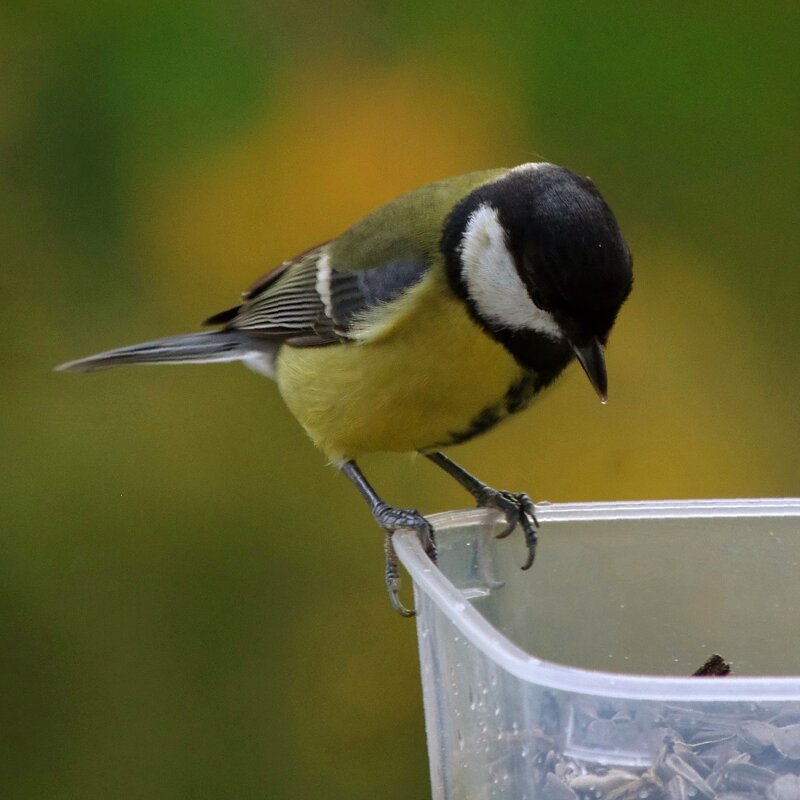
[407, 228]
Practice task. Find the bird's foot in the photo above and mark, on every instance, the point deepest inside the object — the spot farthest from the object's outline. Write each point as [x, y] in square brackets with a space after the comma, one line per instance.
[392, 519]
[518, 509]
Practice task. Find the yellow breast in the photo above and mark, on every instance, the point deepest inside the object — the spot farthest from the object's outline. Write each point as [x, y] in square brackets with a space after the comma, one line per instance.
[418, 374]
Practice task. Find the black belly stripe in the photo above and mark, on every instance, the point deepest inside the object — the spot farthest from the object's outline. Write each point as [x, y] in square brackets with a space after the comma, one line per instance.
[518, 397]
[480, 423]
[521, 393]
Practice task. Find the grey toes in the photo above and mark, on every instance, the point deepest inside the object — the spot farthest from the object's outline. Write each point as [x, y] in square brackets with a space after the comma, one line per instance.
[518, 509]
[391, 519]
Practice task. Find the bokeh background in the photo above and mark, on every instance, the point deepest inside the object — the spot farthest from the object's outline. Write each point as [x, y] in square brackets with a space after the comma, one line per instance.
[191, 601]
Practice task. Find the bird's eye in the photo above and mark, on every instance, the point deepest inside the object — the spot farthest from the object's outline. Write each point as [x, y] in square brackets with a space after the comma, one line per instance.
[536, 296]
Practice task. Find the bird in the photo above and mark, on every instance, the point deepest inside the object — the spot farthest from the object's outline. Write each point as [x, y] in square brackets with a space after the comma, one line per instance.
[427, 323]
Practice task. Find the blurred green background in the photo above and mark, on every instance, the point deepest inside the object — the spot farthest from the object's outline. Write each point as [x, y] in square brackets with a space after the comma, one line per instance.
[192, 601]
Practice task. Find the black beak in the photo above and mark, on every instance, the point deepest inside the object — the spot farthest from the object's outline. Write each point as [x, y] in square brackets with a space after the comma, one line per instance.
[594, 365]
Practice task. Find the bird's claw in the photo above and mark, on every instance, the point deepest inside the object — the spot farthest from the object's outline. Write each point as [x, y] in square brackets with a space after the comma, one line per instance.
[392, 519]
[518, 509]
[393, 578]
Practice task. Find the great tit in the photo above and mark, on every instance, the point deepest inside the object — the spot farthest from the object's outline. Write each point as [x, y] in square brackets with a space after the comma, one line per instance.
[427, 323]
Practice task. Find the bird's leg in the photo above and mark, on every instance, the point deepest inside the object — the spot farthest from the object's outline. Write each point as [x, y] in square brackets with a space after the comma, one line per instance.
[516, 507]
[390, 519]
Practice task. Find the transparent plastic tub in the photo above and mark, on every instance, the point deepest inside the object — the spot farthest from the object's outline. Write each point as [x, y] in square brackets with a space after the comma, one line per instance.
[571, 681]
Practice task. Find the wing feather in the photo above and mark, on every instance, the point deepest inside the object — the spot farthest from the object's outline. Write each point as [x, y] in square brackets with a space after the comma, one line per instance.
[309, 303]
[318, 297]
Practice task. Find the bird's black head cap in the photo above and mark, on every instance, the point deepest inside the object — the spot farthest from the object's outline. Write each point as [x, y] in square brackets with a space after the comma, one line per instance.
[565, 241]
[539, 259]
[567, 247]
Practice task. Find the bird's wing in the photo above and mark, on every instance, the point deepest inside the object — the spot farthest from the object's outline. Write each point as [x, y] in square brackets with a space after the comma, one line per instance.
[308, 303]
[319, 297]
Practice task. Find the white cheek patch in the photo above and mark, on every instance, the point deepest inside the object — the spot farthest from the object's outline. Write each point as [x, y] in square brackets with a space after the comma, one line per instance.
[492, 280]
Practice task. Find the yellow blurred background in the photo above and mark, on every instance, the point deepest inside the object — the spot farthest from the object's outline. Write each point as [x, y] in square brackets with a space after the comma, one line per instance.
[191, 601]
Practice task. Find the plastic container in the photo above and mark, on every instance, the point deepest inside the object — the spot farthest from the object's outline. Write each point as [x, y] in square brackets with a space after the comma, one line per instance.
[571, 681]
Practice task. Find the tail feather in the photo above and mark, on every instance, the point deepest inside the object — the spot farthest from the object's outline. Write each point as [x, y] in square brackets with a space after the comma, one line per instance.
[191, 348]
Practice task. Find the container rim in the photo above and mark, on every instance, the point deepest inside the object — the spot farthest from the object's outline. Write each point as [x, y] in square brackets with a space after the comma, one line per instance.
[512, 658]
